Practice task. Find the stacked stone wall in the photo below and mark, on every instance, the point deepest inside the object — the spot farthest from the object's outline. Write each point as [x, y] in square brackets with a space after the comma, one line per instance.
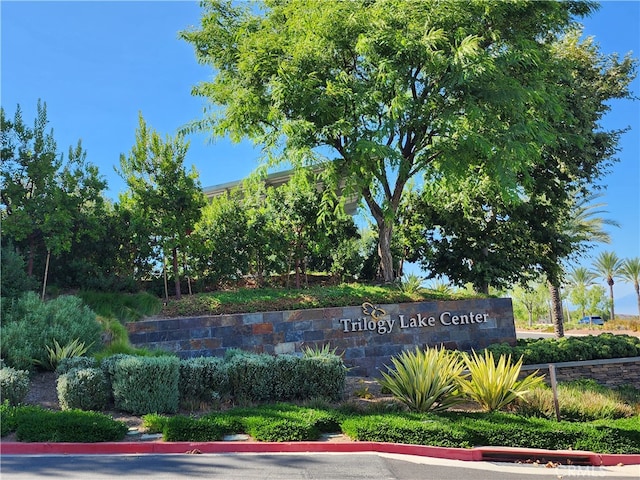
[366, 335]
[611, 373]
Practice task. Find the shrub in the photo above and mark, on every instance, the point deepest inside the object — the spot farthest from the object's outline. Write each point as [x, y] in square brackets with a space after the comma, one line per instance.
[251, 377]
[425, 379]
[319, 377]
[39, 425]
[154, 422]
[84, 389]
[11, 414]
[262, 378]
[568, 349]
[14, 280]
[146, 384]
[67, 364]
[207, 429]
[494, 385]
[29, 324]
[14, 385]
[203, 379]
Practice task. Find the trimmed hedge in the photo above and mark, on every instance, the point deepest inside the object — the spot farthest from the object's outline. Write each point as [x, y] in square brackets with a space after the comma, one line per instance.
[203, 379]
[146, 384]
[570, 349]
[14, 385]
[67, 364]
[82, 388]
[262, 378]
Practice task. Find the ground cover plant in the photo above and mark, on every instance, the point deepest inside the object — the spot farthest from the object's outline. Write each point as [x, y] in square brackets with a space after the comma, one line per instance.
[36, 424]
[319, 296]
[581, 401]
[287, 422]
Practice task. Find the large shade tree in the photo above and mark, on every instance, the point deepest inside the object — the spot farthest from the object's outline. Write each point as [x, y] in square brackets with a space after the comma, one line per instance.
[389, 88]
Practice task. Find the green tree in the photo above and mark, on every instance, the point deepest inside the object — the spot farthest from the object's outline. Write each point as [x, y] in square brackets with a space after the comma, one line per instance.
[30, 163]
[393, 87]
[221, 239]
[609, 266]
[163, 191]
[533, 298]
[630, 272]
[579, 281]
[49, 204]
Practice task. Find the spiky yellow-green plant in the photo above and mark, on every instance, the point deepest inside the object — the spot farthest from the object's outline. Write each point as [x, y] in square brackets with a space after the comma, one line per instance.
[425, 379]
[55, 354]
[494, 385]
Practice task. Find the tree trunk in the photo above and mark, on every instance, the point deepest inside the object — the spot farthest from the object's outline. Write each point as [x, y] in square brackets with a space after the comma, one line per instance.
[613, 315]
[176, 273]
[46, 274]
[636, 285]
[385, 230]
[164, 274]
[32, 249]
[556, 310]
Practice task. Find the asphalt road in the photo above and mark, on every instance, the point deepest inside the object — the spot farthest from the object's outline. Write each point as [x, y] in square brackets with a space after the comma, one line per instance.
[308, 466]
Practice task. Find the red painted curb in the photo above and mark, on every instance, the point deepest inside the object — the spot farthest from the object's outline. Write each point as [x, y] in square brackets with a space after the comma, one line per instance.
[465, 454]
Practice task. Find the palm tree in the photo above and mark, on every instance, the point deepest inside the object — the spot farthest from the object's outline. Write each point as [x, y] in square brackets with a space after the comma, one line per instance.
[584, 225]
[580, 278]
[608, 265]
[630, 272]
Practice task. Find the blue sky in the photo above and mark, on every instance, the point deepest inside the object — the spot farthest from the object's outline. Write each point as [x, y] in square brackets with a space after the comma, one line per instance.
[98, 64]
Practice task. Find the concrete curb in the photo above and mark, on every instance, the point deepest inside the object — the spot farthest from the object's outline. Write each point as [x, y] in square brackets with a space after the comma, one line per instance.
[574, 457]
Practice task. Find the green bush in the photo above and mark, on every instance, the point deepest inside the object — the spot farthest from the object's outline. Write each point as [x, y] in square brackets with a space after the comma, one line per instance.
[67, 364]
[39, 425]
[14, 280]
[203, 379]
[424, 380]
[251, 377]
[570, 349]
[154, 422]
[320, 377]
[29, 325]
[188, 429]
[82, 388]
[263, 378]
[146, 384]
[108, 367]
[10, 415]
[14, 385]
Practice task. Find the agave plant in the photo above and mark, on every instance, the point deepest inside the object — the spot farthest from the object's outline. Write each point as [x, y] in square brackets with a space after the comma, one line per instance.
[320, 352]
[57, 353]
[425, 379]
[494, 385]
